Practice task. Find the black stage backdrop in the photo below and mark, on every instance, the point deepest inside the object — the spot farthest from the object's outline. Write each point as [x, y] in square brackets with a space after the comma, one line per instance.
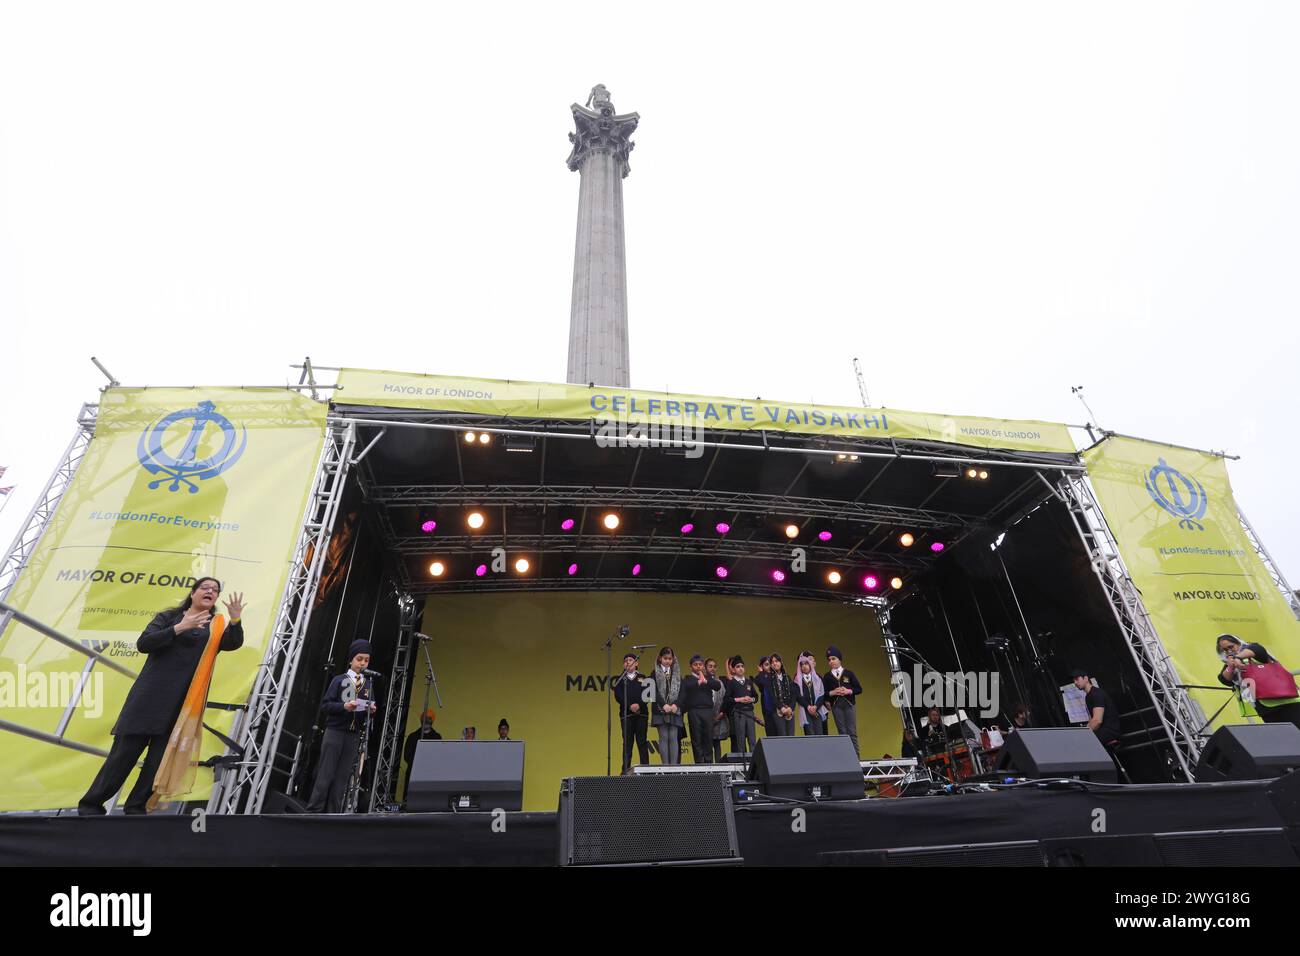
[1062, 613]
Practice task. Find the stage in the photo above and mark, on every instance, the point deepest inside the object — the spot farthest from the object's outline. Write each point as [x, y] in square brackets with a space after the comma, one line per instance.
[1254, 823]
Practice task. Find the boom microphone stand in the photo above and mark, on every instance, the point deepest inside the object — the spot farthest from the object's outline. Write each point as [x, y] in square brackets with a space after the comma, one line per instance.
[608, 647]
[907, 650]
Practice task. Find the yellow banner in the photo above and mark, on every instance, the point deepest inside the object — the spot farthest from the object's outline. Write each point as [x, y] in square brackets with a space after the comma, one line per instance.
[485, 396]
[1173, 514]
[176, 484]
[536, 659]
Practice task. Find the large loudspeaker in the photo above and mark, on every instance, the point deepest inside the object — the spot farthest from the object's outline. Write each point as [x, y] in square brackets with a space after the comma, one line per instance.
[1250, 752]
[466, 775]
[808, 768]
[647, 820]
[1057, 752]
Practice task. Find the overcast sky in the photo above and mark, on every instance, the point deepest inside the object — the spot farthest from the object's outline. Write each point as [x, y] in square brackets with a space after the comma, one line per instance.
[987, 203]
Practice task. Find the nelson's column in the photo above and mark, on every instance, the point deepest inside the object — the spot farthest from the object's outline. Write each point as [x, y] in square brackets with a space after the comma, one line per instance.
[598, 317]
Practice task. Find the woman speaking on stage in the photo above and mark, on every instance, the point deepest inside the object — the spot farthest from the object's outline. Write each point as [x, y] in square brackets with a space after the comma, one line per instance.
[174, 643]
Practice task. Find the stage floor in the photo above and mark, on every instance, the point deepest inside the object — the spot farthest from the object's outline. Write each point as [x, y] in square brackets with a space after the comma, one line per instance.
[1246, 823]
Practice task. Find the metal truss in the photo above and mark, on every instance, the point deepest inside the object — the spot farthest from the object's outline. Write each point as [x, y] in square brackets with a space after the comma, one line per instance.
[45, 516]
[579, 496]
[1180, 715]
[1279, 581]
[383, 786]
[881, 770]
[896, 674]
[676, 585]
[760, 439]
[242, 787]
[647, 545]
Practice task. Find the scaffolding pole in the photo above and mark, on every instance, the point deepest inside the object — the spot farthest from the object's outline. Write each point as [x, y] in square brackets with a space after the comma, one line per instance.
[1180, 715]
[243, 786]
[383, 786]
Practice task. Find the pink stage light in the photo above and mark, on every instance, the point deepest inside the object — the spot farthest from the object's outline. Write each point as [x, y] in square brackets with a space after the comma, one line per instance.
[937, 547]
[778, 575]
[824, 535]
[871, 582]
[573, 569]
[636, 569]
[722, 527]
[566, 524]
[720, 571]
[480, 571]
[688, 528]
[428, 527]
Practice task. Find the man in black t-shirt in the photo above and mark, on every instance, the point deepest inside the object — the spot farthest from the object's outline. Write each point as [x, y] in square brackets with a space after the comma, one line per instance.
[1103, 715]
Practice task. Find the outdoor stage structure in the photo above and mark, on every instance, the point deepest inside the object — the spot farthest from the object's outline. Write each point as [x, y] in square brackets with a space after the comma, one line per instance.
[943, 543]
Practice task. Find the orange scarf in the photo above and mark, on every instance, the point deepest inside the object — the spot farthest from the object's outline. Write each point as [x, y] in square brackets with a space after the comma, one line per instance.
[179, 767]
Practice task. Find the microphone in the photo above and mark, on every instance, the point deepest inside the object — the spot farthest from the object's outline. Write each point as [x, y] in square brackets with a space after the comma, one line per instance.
[370, 673]
[641, 647]
[623, 631]
[423, 637]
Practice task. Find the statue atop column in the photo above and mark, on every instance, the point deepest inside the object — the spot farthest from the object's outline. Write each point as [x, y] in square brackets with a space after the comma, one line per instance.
[599, 100]
[600, 129]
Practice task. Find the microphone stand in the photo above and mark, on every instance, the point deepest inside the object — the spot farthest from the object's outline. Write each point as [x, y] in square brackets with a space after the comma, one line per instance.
[909, 651]
[608, 647]
[430, 679]
[359, 761]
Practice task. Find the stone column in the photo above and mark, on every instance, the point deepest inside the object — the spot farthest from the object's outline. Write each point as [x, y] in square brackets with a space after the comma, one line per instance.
[598, 350]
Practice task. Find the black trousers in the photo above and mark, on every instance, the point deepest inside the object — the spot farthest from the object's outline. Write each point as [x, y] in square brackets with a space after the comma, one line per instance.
[121, 761]
[778, 726]
[634, 728]
[338, 755]
[1281, 714]
[700, 721]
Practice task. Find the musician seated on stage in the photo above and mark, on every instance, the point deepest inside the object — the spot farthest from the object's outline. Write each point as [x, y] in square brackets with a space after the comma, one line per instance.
[933, 736]
[1017, 719]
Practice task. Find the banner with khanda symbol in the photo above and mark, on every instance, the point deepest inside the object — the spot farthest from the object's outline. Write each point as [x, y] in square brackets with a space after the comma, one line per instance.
[177, 484]
[1173, 513]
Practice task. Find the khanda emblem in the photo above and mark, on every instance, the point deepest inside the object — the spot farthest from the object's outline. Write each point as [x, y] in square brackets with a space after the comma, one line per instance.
[1182, 496]
[187, 468]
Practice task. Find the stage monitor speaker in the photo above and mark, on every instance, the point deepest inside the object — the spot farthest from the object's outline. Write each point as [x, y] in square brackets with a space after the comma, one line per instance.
[647, 820]
[808, 768]
[1266, 846]
[1057, 752]
[465, 775]
[1124, 849]
[1249, 752]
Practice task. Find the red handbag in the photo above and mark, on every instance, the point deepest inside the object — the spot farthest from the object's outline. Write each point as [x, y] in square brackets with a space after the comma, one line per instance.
[1272, 681]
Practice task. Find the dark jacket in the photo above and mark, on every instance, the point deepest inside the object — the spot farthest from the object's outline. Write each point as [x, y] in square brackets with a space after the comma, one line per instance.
[628, 692]
[155, 699]
[763, 682]
[697, 696]
[739, 687]
[413, 740]
[934, 739]
[780, 692]
[847, 679]
[338, 717]
[809, 699]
